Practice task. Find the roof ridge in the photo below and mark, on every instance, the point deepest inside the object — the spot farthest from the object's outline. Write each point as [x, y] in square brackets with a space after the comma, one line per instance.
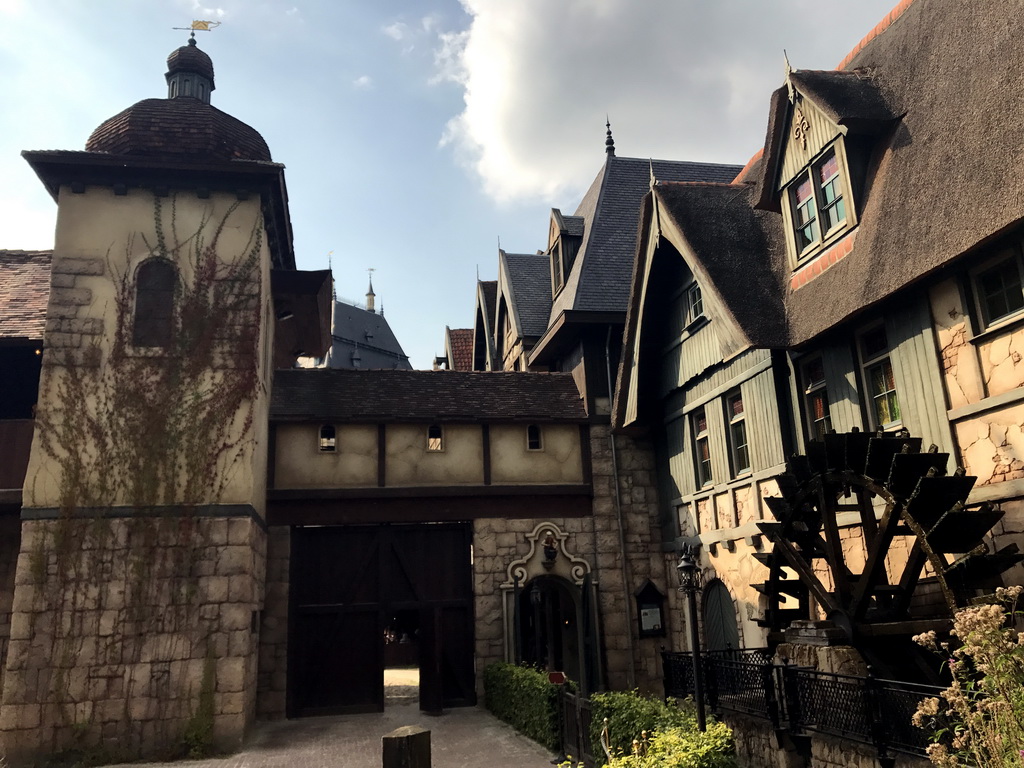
[886, 22]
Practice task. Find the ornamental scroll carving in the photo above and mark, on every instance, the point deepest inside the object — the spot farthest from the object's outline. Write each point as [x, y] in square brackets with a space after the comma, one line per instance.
[547, 557]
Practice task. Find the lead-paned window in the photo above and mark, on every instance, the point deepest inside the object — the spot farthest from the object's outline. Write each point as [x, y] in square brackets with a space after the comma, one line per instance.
[155, 285]
[878, 378]
[739, 450]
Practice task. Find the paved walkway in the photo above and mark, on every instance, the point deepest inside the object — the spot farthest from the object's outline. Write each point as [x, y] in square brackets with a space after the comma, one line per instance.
[467, 737]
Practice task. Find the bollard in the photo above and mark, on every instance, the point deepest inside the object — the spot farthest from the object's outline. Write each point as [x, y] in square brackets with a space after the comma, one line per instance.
[407, 747]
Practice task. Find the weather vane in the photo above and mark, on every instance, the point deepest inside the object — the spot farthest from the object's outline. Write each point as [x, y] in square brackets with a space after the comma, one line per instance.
[202, 26]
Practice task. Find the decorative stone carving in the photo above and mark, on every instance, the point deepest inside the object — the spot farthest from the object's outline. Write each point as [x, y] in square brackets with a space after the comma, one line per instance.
[547, 556]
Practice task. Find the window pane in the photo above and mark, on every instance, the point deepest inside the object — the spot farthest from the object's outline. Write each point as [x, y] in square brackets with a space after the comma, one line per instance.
[1000, 290]
[802, 191]
[828, 169]
[874, 343]
[736, 405]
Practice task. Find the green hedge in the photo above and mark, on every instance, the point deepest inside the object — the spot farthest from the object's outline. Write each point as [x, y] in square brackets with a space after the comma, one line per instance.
[524, 699]
[629, 714]
[684, 748]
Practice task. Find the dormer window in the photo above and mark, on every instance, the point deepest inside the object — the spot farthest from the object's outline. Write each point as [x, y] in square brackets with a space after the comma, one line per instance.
[817, 203]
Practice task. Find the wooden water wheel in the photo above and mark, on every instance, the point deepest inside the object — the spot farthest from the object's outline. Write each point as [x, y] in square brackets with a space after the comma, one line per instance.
[874, 535]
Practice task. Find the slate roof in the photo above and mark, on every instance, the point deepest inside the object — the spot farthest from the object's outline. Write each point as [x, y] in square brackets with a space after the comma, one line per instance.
[489, 289]
[24, 293]
[358, 329]
[942, 180]
[175, 128]
[599, 279]
[460, 342]
[423, 396]
[483, 323]
[529, 284]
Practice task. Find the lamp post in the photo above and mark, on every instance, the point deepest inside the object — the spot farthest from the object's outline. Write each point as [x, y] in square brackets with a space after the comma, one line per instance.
[690, 585]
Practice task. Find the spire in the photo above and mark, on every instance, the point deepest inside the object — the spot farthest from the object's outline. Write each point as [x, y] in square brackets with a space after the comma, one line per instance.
[609, 142]
[370, 295]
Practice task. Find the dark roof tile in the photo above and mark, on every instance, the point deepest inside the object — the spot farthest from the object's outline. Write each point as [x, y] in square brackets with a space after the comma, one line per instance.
[24, 293]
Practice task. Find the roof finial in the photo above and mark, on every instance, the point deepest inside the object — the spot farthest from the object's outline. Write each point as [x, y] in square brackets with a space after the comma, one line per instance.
[654, 179]
[609, 142]
[369, 293]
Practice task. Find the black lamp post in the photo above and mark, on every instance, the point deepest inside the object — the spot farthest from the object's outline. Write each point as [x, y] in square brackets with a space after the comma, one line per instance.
[690, 585]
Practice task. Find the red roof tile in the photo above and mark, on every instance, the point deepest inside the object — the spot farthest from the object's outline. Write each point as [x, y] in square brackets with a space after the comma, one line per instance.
[24, 292]
[461, 340]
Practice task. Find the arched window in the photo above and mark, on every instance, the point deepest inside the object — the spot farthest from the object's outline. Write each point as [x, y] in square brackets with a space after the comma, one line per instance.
[435, 438]
[155, 284]
[533, 438]
[328, 439]
[188, 88]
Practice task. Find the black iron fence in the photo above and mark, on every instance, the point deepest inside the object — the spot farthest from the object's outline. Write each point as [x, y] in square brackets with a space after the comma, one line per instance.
[804, 701]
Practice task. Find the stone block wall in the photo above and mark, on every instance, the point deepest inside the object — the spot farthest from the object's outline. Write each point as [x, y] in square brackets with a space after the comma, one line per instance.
[130, 634]
[10, 540]
[272, 681]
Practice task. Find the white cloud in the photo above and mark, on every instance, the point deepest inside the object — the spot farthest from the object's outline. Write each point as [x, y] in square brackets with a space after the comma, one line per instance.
[415, 34]
[680, 79]
[396, 30]
[363, 82]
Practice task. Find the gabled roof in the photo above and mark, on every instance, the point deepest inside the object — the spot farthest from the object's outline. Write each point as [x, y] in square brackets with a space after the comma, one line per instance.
[483, 324]
[24, 293]
[525, 280]
[599, 279]
[367, 334]
[459, 348]
[943, 180]
[423, 396]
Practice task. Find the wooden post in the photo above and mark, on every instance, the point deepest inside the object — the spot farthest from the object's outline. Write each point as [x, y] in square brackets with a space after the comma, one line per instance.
[406, 747]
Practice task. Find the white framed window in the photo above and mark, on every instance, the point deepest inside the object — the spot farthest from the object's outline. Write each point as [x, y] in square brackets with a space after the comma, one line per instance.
[881, 398]
[701, 448]
[694, 303]
[328, 442]
[817, 203]
[435, 438]
[999, 287]
[534, 438]
[739, 449]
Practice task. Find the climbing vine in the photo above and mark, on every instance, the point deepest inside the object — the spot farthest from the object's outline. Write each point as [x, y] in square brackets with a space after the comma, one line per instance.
[142, 441]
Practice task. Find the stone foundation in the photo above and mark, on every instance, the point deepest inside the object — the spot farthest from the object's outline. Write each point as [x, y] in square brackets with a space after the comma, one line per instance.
[132, 637]
[10, 541]
[272, 681]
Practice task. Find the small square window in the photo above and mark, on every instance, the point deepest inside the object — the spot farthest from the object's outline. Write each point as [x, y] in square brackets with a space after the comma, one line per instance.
[533, 438]
[998, 288]
[435, 438]
[328, 439]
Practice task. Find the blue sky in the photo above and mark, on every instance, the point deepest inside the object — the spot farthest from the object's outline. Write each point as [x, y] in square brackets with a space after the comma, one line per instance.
[416, 134]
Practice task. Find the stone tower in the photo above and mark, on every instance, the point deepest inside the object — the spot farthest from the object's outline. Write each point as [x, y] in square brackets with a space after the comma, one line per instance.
[141, 569]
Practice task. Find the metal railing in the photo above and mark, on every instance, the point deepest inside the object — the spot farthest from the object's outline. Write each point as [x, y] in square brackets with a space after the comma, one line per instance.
[802, 701]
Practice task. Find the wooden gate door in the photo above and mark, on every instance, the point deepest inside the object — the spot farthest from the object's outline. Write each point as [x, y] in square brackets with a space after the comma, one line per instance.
[335, 647]
[428, 568]
[345, 581]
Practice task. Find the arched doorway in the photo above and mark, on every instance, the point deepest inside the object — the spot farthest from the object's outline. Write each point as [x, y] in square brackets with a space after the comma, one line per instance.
[719, 613]
[549, 616]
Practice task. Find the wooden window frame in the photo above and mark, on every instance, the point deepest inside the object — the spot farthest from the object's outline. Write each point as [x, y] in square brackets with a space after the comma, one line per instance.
[867, 364]
[735, 424]
[822, 240]
[1008, 253]
[812, 389]
[694, 304]
[704, 470]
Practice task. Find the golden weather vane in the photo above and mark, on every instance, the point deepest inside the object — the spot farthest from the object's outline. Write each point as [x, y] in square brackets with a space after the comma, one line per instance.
[202, 26]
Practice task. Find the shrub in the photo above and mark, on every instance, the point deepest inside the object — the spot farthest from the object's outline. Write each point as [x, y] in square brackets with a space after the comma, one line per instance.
[524, 699]
[629, 714]
[684, 747]
[979, 719]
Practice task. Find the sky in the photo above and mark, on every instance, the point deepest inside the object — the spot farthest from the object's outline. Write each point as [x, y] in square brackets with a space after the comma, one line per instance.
[419, 134]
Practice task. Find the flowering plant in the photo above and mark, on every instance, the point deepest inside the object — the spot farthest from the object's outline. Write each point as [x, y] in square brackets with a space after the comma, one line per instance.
[979, 719]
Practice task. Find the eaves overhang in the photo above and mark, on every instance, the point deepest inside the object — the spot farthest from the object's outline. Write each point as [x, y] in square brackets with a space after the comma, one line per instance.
[564, 331]
[77, 170]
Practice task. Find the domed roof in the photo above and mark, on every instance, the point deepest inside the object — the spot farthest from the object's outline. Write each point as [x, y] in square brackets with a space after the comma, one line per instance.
[184, 127]
[189, 58]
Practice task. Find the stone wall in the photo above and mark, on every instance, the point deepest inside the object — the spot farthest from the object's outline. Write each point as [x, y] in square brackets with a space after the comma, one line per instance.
[272, 681]
[10, 540]
[129, 634]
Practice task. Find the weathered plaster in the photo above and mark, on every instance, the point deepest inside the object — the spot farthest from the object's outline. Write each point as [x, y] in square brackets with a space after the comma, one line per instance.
[992, 445]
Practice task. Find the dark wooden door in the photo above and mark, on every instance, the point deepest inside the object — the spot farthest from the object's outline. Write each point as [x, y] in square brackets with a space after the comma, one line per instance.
[345, 581]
